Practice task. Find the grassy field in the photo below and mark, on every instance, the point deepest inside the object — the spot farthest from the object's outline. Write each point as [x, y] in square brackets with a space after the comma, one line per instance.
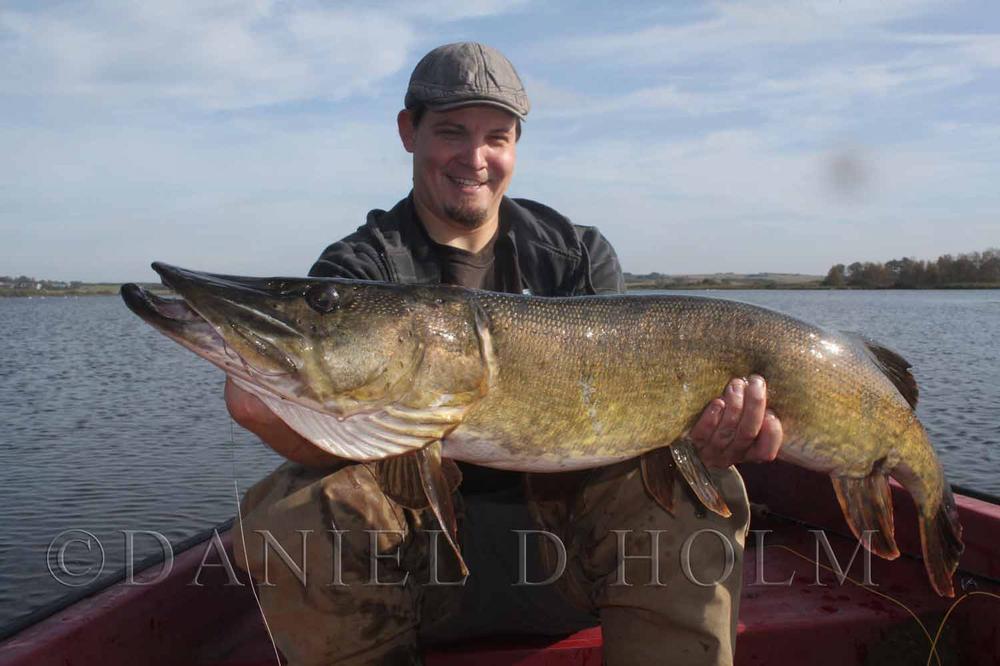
[725, 281]
[86, 289]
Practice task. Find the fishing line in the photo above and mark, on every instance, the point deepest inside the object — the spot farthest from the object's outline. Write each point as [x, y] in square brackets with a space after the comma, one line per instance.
[246, 557]
[937, 636]
[899, 603]
[951, 608]
[232, 354]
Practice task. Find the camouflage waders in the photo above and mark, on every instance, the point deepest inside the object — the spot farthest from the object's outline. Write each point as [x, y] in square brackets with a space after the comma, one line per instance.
[355, 611]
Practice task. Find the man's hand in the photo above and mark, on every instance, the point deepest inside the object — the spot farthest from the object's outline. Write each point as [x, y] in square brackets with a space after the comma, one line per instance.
[738, 427]
[248, 410]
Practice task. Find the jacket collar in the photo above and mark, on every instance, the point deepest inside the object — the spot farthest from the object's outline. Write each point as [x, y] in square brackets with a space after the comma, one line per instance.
[539, 252]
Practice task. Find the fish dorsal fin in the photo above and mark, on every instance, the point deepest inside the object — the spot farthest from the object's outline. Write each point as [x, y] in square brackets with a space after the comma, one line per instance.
[375, 435]
[400, 479]
[894, 366]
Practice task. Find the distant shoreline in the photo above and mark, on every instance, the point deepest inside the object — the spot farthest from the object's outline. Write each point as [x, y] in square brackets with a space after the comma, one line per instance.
[720, 282]
[743, 284]
[97, 289]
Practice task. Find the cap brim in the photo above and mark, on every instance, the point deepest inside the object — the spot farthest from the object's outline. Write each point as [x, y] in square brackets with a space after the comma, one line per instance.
[448, 106]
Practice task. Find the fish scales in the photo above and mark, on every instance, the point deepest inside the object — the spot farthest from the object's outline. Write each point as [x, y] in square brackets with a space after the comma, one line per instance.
[612, 377]
[408, 376]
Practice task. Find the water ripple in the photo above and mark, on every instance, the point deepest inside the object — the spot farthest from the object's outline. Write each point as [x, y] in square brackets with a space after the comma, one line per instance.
[109, 426]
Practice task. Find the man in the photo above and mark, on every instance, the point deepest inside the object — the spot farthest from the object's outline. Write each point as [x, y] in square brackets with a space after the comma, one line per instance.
[461, 122]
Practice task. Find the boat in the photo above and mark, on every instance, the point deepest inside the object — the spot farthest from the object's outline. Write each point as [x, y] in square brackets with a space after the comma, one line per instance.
[794, 608]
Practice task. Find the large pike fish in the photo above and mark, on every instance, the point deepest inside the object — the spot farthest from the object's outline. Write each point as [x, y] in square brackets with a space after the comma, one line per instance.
[413, 377]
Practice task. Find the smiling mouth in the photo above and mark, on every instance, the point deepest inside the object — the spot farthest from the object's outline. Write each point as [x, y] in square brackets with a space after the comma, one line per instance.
[467, 183]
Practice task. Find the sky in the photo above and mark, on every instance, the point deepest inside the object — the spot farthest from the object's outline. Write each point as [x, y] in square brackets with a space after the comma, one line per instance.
[243, 136]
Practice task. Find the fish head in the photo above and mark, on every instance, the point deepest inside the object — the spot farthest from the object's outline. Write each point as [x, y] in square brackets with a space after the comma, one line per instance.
[331, 344]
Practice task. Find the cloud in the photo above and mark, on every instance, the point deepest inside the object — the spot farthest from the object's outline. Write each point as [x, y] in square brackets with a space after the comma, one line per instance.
[220, 55]
[730, 27]
[764, 58]
[244, 136]
[446, 11]
[251, 198]
[812, 89]
[554, 102]
[204, 56]
[747, 200]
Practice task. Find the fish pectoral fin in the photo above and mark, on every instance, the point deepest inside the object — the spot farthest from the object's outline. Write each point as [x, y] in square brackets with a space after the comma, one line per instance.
[867, 506]
[658, 474]
[400, 479]
[366, 436]
[697, 476]
[438, 493]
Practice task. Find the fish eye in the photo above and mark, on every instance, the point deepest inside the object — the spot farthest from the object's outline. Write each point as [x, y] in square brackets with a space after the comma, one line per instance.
[323, 298]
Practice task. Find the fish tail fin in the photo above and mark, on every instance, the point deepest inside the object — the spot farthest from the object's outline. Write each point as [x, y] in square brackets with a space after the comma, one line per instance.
[941, 540]
[696, 474]
[867, 506]
[940, 530]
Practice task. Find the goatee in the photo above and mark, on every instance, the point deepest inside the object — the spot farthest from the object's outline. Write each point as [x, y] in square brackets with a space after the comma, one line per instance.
[468, 217]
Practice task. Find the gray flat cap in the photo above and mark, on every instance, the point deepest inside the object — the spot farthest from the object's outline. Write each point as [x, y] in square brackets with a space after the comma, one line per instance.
[465, 74]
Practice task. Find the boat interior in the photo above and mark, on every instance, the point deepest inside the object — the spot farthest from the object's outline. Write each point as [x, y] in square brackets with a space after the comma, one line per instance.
[795, 606]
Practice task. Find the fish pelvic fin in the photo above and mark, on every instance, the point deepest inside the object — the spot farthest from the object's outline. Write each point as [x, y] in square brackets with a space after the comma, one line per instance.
[697, 476]
[400, 479]
[941, 540]
[867, 506]
[437, 490]
[658, 474]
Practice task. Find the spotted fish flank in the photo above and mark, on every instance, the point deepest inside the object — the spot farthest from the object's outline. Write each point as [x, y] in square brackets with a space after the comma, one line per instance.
[373, 371]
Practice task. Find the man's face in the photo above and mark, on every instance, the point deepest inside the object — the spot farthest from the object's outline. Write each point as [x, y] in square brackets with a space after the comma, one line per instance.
[463, 161]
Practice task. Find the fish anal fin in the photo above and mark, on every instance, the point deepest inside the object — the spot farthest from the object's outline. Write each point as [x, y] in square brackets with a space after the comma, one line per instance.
[437, 490]
[658, 474]
[867, 506]
[697, 476]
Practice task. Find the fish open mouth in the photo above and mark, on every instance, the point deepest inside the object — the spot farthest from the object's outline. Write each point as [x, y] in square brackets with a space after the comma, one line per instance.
[166, 314]
[160, 311]
[180, 319]
[176, 319]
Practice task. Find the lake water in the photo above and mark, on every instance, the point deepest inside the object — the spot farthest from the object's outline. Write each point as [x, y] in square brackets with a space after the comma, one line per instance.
[108, 426]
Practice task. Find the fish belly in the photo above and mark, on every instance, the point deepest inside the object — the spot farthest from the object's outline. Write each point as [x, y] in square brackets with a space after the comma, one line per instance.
[489, 450]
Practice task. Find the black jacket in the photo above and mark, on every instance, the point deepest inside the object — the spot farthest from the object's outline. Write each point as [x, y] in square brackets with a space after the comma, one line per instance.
[551, 256]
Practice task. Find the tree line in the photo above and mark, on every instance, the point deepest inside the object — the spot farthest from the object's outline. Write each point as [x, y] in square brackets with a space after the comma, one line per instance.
[975, 269]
